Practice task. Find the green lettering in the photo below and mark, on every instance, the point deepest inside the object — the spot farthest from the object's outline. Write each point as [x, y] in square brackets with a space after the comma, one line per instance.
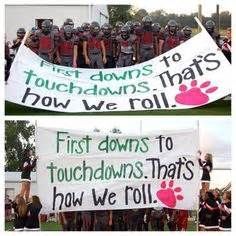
[147, 70]
[137, 71]
[29, 75]
[146, 148]
[138, 166]
[144, 87]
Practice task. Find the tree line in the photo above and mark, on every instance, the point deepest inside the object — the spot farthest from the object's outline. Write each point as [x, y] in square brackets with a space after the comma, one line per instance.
[126, 13]
[19, 135]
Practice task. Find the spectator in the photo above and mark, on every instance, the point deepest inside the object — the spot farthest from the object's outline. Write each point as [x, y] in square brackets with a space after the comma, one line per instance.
[225, 212]
[32, 221]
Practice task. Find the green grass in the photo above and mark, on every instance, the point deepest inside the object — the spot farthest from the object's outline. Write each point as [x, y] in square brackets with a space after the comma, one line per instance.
[51, 226]
[219, 107]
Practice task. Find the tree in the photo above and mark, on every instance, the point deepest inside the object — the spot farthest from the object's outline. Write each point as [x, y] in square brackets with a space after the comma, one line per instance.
[116, 131]
[19, 135]
[96, 130]
[119, 13]
[138, 15]
[225, 19]
[159, 16]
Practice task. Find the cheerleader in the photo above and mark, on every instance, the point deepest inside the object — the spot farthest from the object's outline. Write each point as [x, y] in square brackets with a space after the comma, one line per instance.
[225, 212]
[20, 213]
[211, 213]
[207, 167]
[216, 193]
[32, 221]
[28, 164]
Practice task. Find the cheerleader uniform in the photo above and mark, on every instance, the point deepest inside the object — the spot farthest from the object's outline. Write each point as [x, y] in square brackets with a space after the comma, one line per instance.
[201, 213]
[32, 221]
[211, 215]
[27, 166]
[225, 217]
[19, 221]
[206, 169]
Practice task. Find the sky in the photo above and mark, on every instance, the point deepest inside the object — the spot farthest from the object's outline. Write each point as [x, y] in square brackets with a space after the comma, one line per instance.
[139, 124]
[184, 6]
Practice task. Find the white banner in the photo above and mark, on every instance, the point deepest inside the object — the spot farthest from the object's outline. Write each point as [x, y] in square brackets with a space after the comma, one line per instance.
[191, 75]
[99, 172]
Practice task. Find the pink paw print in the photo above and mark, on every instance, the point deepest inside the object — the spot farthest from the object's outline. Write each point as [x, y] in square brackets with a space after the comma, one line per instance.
[168, 195]
[195, 95]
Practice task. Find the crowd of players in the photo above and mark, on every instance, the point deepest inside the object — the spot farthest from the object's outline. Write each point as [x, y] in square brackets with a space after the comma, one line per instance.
[95, 46]
[214, 215]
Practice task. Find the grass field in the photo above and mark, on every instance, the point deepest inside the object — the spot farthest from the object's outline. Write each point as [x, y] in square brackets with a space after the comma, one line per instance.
[51, 226]
[220, 107]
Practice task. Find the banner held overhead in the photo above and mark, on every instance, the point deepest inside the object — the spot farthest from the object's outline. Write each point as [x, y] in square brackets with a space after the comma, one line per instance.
[90, 172]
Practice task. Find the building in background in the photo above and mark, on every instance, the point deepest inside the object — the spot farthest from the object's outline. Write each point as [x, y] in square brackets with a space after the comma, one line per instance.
[12, 184]
[28, 16]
